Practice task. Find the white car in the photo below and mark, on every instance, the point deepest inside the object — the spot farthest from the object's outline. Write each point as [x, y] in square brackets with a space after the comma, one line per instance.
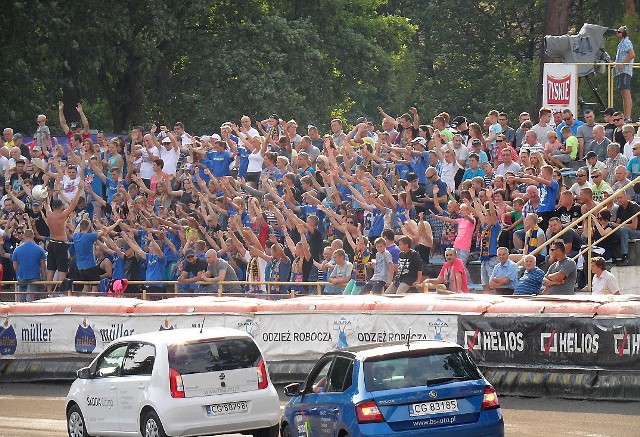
[181, 382]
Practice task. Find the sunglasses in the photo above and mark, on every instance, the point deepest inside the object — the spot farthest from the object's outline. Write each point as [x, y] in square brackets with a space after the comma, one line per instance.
[617, 119]
[499, 141]
[581, 175]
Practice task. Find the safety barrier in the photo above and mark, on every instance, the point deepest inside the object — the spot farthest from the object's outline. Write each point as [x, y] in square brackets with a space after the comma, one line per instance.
[538, 343]
[298, 289]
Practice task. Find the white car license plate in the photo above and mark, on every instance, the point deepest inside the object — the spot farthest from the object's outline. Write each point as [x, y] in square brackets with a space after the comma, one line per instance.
[228, 408]
[435, 407]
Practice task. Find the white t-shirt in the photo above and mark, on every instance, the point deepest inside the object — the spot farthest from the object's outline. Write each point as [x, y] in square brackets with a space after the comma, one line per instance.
[253, 132]
[255, 162]
[514, 167]
[605, 284]
[4, 164]
[628, 148]
[575, 188]
[448, 173]
[70, 186]
[146, 167]
[170, 158]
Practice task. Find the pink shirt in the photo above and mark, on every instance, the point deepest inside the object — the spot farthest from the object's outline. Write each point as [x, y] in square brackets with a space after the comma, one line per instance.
[465, 233]
[448, 273]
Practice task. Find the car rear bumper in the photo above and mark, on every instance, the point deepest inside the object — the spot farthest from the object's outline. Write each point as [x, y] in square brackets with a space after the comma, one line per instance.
[188, 417]
[490, 424]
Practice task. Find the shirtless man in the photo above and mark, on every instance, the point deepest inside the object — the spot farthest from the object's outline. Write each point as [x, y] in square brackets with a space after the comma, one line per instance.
[57, 250]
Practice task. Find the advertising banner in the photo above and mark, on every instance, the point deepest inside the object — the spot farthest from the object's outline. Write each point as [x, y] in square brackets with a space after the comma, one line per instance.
[282, 336]
[612, 344]
[560, 86]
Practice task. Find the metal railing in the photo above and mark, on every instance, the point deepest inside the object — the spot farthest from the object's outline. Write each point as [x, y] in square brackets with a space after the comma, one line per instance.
[588, 216]
[297, 289]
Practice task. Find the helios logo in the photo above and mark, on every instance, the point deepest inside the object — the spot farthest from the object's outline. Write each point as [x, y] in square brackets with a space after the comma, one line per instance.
[569, 342]
[494, 341]
[627, 343]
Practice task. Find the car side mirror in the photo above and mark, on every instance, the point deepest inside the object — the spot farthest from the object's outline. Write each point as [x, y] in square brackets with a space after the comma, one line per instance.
[84, 373]
[292, 389]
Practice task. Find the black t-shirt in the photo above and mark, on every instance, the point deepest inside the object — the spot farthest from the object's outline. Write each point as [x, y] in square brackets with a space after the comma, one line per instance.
[625, 213]
[409, 264]
[618, 137]
[194, 268]
[567, 215]
[418, 195]
[572, 237]
[40, 222]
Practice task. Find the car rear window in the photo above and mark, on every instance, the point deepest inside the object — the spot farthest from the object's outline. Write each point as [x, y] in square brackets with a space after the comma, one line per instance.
[417, 369]
[213, 355]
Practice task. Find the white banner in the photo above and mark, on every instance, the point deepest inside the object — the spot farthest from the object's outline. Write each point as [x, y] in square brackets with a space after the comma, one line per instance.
[282, 336]
[560, 87]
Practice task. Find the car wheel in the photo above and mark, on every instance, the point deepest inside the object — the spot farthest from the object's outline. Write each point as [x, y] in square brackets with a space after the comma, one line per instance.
[272, 431]
[152, 427]
[286, 431]
[75, 423]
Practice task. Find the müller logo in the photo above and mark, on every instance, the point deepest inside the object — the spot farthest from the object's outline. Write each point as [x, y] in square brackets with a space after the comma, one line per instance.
[569, 342]
[627, 343]
[558, 90]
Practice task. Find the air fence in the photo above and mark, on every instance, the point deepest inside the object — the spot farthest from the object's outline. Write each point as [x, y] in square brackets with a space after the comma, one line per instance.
[569, 346]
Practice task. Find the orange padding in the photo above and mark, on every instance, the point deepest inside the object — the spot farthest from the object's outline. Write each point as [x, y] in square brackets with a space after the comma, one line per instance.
[412, 303]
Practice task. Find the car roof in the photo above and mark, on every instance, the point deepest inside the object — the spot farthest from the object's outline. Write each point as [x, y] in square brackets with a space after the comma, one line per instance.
[174, 336]
[374, 350]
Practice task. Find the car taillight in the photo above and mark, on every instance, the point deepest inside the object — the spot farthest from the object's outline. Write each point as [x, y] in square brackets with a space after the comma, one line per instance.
[175, 384]
[263, 381]
[368, 412]
[490, 399]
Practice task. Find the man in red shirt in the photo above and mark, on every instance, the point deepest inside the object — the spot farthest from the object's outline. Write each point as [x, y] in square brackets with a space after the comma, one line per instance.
[75, 127]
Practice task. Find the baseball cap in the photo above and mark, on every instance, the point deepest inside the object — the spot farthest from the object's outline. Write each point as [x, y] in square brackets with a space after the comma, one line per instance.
[419, 140]
[608, 111]
[458, 120]
[476, 142]
[216, 137]
[17, 136]
[74, 125]
[411, 177]
[166, 140]
[361, 120]
[590, 154]
[369, 140]
[189, 252]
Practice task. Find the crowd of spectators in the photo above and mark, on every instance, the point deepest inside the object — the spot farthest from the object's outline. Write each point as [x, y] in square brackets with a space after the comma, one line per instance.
[364, 208]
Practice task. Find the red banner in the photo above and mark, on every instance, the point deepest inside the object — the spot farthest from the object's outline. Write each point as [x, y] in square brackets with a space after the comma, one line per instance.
[559, 90]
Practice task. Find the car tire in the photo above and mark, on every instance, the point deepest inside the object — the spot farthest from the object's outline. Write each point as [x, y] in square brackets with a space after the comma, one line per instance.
[272, 431]
[75, 423]
[286, 431]
[151, 426]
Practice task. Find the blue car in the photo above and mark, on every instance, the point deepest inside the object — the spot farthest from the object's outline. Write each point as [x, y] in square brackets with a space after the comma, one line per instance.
[422, 388]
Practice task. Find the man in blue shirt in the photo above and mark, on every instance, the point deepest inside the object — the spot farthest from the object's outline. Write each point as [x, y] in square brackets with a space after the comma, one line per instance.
[83, 239]
[549, 191]
[568, 120]
[29, 264]
[531, 280]
[624, 55]
[505, 274]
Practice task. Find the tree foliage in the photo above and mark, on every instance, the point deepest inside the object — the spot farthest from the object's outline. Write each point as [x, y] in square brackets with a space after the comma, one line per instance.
[207, 61]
